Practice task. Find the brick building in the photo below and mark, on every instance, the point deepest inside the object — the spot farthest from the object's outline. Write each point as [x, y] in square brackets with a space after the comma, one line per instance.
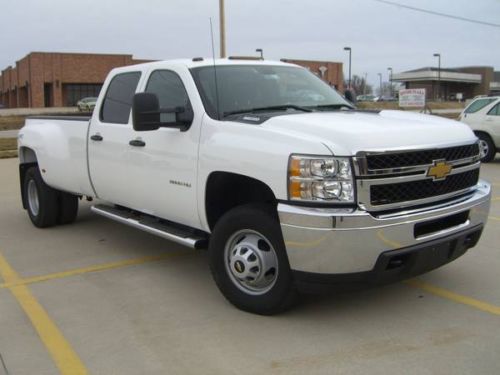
[446, 83]
[330, 72]
[57, 79]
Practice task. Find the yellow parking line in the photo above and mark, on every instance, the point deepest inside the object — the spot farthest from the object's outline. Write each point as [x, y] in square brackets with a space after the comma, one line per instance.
[415, 283]
[495, 199]
[480, 305]
[496, 218]
[65, 358]
[96, 268]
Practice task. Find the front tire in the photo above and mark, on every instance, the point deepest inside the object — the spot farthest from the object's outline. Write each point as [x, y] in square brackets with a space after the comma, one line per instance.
[249, 263]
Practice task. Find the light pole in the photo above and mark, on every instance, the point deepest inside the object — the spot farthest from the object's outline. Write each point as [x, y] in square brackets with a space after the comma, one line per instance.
[261, 53]
[390, 81]
[438, 55]
[349, 49]
[222, 23]
[380, 77]
[364, 84]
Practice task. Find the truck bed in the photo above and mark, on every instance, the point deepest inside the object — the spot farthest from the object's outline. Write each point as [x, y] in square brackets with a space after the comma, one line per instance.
[61, 144]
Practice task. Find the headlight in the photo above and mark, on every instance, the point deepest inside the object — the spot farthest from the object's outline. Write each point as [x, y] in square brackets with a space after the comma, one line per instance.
[313, 178]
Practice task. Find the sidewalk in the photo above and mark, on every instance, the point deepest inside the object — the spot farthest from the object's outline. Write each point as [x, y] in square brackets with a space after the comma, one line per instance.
[9, 133]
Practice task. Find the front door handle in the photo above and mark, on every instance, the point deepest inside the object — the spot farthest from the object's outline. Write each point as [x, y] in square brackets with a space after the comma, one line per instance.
[137, 143]
[96, 137]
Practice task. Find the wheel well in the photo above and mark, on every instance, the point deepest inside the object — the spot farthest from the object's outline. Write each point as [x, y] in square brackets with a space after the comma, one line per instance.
[226, 190]
[27, 155]
[478, 132]
[27, 159]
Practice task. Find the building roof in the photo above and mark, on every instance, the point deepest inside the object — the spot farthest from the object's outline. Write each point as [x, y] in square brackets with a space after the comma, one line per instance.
[435, 74]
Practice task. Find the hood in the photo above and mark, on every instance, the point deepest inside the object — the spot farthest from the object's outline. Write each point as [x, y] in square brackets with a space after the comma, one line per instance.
[347, 132]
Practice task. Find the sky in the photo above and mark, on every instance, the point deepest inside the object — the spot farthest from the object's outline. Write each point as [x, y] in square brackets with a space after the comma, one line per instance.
[380, 35]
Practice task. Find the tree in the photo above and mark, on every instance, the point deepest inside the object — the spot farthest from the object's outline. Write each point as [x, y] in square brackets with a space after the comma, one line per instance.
[359, 85]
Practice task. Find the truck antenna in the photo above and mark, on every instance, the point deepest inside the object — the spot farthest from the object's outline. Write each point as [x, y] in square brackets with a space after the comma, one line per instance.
[215, 72]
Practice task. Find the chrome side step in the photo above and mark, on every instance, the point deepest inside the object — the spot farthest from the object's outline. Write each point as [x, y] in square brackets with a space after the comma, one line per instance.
[153, 225]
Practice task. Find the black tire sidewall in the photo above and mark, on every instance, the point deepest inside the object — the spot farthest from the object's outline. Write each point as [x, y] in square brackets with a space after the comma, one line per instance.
[261, 220]
[68, 208]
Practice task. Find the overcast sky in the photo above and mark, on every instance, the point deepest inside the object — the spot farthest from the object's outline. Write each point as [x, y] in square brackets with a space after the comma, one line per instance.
[380, 35]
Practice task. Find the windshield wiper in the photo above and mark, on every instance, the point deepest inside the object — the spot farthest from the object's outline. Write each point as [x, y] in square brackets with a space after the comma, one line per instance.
[333, 106]
[283, 107]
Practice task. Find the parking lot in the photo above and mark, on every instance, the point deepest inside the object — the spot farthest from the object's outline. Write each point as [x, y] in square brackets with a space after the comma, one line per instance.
[100, 298]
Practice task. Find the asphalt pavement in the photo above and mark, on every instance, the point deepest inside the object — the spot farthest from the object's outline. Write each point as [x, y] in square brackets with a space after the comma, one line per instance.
[98, 297]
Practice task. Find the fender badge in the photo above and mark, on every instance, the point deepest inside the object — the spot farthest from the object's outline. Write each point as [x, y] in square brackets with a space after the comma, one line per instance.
[439, 170]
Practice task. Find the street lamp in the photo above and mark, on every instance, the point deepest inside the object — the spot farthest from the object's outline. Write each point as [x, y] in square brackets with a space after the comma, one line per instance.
[390, 80]
[438, 55]
[349, 49]
[261, 53]
[380, 77]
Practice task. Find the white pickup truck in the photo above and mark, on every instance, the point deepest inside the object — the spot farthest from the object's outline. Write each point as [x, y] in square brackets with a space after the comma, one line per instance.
[289, 187]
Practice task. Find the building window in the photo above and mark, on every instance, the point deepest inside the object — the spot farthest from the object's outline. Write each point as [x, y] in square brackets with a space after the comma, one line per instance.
[73, 92]
[118, 101]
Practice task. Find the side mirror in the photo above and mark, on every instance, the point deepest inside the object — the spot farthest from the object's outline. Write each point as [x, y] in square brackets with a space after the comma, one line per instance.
[145, 112]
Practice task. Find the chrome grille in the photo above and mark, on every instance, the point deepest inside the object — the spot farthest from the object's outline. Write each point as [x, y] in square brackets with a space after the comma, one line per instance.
[400, 179]
[414, 158]
[416, 190]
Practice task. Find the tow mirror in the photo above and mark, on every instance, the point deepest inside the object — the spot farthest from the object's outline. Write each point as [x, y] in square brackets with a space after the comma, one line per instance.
[145, 112]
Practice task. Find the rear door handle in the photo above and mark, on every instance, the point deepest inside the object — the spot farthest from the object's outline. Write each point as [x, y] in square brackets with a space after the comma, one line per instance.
[137, 143]
[96, 137]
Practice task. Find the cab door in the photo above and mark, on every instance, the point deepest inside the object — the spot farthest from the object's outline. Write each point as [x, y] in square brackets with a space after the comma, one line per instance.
[162, 164]
[492, 123]
[108, 145]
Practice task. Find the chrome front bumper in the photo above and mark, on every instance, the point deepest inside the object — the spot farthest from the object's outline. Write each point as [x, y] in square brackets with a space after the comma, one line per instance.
[339, 241]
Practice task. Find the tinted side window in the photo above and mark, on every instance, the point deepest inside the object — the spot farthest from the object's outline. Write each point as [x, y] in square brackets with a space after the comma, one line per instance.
[118, 100]
[478, 104]
[170, 90]
[495, 111]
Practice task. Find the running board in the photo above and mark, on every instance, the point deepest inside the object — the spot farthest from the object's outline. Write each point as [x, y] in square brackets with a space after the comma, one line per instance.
[153, 225]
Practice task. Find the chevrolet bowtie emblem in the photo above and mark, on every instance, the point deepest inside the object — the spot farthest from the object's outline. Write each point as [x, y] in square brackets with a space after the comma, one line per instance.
[439, 170]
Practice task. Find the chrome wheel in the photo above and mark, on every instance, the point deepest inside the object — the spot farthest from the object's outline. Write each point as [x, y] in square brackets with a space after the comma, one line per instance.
[33, 201]
[251, 262]
[484, 148]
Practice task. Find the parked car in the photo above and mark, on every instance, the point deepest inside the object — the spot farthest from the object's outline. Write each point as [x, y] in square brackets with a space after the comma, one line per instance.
[483, 117]
[386, 98]
[86, 104]
[288, 186]
[366, 98]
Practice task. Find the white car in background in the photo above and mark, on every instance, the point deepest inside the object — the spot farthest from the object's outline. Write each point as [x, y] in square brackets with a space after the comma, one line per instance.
[483, 116]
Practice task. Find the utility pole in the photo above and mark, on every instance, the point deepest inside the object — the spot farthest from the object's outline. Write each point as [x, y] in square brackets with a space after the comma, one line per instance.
[222, 21]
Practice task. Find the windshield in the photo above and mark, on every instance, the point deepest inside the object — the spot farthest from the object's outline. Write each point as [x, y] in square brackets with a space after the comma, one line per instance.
[243, 88]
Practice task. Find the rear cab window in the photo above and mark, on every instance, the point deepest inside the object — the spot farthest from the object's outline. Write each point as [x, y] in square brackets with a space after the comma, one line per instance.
[117, 103]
